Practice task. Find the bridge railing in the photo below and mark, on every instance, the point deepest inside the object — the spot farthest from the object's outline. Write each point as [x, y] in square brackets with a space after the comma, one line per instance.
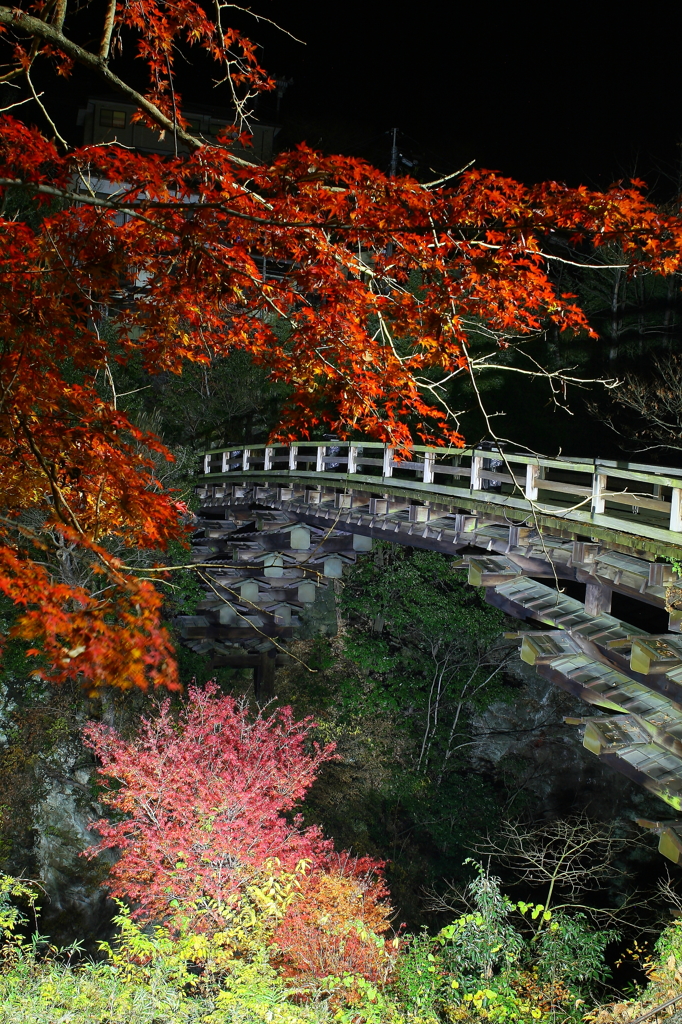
[638, 498]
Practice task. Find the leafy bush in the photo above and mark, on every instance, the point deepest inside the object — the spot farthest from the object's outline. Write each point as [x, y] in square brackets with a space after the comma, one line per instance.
[419, 981]
[482, 943]
[335, 928]
[484, 967]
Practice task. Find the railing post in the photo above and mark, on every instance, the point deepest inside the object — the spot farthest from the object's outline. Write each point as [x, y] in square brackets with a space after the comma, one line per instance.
[476, 467]
[388, 461]
[207, 463]
[319, 465]
[269, 456]
[676, 510]
[293, 458]
[429, 462]
[598, 487]
[532, 477]
[245, 459]
[352, 458]
[226, 462]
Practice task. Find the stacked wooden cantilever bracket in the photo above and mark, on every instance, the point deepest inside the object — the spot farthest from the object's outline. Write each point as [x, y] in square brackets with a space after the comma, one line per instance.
[259, 568]
[632, 677]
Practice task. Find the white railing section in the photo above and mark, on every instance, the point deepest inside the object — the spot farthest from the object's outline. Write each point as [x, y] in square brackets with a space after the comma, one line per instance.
[639, 499]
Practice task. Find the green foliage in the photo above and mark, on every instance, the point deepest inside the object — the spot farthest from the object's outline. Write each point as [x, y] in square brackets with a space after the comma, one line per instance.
[15, 666]
[420, 598]
[676, 564]
[12, 918]
[182, 590]
[422, 638]
[419, 981]
[482, 943]
[482, 966]
[669, 943]
[571, 950]
[209, 404]
[478, 968]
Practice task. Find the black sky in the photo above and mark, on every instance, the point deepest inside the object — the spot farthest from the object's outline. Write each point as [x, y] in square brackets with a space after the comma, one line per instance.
[580, 92]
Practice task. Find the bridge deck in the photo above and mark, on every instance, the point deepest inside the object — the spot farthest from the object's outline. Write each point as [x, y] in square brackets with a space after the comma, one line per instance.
[631, 506]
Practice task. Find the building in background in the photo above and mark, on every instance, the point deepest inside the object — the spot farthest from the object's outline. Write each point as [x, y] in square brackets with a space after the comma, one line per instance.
[108, 119]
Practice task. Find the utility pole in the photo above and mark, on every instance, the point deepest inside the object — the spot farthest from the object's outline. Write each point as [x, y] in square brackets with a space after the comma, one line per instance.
[394, 155]
[392, 173]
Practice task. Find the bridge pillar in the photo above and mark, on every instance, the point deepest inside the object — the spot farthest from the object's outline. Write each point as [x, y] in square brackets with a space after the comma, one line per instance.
[264, 676]
[597, 599]
[598, 488]
[532, 477]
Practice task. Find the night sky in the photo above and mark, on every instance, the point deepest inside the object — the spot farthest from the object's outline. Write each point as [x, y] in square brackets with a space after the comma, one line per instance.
[579, 92]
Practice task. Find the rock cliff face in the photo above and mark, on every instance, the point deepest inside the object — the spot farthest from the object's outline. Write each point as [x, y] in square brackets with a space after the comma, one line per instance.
[77, 906]
[47, 799]
[528, 739]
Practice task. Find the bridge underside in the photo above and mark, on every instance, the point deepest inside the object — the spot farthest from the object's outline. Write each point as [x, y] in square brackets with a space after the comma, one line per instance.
[265, 551]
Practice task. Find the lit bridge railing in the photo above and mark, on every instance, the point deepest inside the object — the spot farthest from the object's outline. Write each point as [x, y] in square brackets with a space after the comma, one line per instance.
[641, 501]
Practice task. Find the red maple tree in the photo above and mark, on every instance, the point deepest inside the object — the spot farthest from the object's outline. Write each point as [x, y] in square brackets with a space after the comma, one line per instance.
[199, 805]
[385, 279]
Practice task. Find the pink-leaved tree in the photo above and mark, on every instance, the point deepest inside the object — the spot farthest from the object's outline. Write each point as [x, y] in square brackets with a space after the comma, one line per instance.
[202, 803]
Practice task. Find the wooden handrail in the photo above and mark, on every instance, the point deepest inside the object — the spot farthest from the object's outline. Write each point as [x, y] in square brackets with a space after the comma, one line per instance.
[439, 474]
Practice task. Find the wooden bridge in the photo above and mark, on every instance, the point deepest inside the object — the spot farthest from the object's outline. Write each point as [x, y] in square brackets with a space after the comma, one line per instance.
[279, 522]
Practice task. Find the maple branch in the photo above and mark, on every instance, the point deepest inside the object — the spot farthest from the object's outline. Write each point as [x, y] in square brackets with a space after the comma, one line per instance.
[59, 15]
[449, 177]
[258, 17]
[49, 120]
[20, 103]
[559, 259]
[107, 31]
[52, 34]
[72, 519]
[149, 204]
[550, 375]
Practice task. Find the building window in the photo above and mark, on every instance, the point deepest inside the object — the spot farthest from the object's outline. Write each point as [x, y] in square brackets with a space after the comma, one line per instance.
[112, 118]
[193, 124]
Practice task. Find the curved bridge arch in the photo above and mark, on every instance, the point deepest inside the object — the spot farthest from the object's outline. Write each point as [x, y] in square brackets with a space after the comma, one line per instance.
[280, 520]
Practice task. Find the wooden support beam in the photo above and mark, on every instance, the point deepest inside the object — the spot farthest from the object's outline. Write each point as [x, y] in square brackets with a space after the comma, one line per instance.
[264, 676]
[597, 599]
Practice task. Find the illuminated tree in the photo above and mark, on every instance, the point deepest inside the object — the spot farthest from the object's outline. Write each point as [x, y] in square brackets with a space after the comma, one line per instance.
[385, 281]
